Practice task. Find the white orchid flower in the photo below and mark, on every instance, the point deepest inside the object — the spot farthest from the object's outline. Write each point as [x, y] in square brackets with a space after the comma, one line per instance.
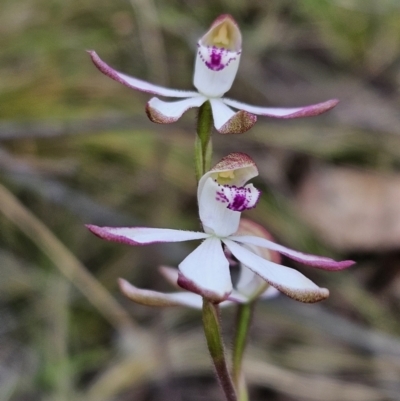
[222, 196]
[249, 286]
[217, 62]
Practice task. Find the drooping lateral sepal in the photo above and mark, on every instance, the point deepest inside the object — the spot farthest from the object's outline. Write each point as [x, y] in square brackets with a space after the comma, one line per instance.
[162, 112]
[249, 283]
[321, 262]
[159, 299]
[289, 281]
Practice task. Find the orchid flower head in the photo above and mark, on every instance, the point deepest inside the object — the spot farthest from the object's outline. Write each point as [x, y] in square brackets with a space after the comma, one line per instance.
[224, 188]
[217, 61]
[222, 196]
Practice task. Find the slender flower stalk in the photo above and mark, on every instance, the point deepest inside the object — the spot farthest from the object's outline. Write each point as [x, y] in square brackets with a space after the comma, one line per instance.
[243, 322]
[215, 345]
[203, 144]
[254, 287]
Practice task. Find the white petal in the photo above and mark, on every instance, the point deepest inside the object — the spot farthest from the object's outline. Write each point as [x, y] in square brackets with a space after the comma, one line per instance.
[282, 112]
[227, 121]
[214, 73]
[214, 214]
[155, 298]
[168, 112]
[135, 83]
[206, 271]
[287, 280]
[144, 235]
[221, 113]
[308, 259]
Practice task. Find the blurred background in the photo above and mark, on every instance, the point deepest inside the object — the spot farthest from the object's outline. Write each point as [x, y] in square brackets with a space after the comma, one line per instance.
[77, 147]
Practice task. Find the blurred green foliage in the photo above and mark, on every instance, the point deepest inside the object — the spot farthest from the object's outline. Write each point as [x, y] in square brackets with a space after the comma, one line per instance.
[77, 148]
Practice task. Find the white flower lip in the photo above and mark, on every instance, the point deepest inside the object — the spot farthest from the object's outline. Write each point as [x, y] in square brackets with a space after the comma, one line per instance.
[205, 271]
[217, 61]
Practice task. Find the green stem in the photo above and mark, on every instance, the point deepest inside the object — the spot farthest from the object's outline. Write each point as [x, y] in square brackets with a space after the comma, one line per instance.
[203, 145]
[243, 320]
[215, 344]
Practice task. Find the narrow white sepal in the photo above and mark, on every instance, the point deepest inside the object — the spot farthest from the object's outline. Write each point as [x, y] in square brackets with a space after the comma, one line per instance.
[308, 259]
[284, 112]
[144, 86]
[144, 235]
[135, 83]
[287, 280]
[160, 299]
